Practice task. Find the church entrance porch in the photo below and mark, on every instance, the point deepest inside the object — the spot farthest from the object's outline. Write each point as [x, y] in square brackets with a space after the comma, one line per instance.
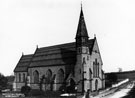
[96, 85]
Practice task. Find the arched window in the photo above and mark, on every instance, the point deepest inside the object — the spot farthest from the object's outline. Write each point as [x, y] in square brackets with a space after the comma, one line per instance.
[19, 77]
[98, 69]
[49, 75]
[94, 71]
[95, 68]
[36, 76]
[23, 77]
[60, 76]
[90, 74]
[90, 78]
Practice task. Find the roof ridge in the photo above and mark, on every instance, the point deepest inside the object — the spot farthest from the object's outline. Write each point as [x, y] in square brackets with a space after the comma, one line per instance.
[56, 45]
[28, 54]
[60, 44]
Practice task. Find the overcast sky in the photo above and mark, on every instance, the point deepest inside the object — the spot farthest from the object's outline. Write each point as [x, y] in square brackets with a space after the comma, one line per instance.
[27, 23]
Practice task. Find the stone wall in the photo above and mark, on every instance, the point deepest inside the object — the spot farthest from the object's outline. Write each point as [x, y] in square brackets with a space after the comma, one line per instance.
[42, 71]
[20, 79]
[96, 55]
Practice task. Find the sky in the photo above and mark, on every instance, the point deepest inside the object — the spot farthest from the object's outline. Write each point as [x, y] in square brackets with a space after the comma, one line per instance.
[24, 24]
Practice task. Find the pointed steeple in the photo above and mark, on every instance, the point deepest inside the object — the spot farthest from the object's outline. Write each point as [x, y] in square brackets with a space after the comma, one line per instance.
[81, 30]
[82, 34]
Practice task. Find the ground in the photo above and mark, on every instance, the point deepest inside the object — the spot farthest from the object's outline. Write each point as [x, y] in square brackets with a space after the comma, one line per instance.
[124, 91]
[131, 93]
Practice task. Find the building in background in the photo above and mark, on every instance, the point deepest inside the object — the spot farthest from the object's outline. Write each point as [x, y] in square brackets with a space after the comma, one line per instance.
[122, 75]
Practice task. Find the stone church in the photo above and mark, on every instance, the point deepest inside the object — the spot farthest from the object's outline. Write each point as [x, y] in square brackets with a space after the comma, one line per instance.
[76, 65]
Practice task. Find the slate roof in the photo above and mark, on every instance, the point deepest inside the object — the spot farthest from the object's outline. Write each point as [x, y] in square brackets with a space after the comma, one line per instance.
[23, 63]
[58, 55]
[81, 30]
[64, 54]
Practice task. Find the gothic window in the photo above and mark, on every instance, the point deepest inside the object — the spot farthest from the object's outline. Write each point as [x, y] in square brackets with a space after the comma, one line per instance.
[96, 64]
[49, 75]
[60, 76]
[23, 77]
[95, 68]
[80, 71]
[19, 77]
[98, 70]
[36, 76]
[90, 76]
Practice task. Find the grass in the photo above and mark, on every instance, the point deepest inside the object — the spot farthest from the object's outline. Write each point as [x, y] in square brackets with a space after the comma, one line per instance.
[41, 94]
[44, 93]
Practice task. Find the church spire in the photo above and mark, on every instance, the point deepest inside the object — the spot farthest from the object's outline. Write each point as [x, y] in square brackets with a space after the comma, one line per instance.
[82, 33]
[82, 30]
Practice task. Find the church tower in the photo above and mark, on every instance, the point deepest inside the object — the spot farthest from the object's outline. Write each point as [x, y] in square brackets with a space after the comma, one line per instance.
[83, 56]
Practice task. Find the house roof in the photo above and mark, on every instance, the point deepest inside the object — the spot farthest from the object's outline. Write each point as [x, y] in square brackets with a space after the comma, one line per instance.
[23, 63]
[57, 55]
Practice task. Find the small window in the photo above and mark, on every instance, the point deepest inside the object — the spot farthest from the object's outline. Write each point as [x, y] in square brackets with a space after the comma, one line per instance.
[19, 77]
[36, 76]
[79, 50]
[23, 77]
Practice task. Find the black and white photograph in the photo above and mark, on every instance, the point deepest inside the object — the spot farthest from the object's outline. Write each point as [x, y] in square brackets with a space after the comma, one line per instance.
[67, 49]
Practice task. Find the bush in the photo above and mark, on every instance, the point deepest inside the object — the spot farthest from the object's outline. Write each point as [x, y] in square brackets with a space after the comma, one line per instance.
[3, 82]
[36, 92]
[52, 93]
[63, 89]
[25, 90]
[112, 77]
